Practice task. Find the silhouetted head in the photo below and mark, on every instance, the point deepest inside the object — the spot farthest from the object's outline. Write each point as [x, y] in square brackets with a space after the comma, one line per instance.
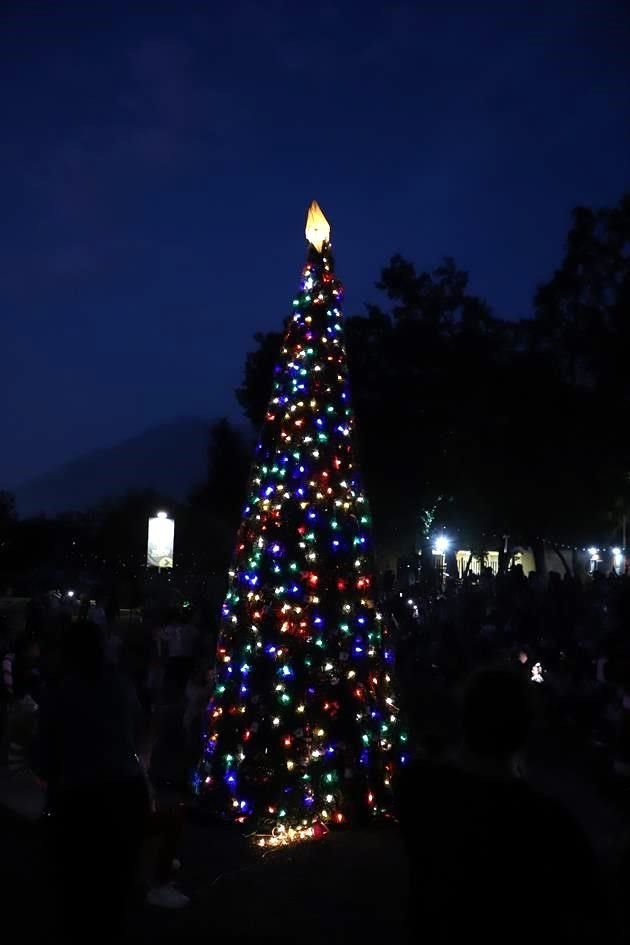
[84, 646]
[27, 648]
[496, 713]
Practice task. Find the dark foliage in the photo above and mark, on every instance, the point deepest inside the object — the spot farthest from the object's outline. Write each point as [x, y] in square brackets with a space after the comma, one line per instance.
[485, 424]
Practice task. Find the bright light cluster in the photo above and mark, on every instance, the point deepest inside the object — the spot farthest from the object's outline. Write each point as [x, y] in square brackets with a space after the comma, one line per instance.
[288, 836]
[302, 725]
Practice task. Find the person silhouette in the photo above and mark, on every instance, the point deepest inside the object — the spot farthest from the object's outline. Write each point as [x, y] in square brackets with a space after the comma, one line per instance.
[97, 794]
[485, 850]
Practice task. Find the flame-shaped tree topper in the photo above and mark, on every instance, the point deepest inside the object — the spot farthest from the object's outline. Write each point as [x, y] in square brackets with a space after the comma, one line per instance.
[317, 227]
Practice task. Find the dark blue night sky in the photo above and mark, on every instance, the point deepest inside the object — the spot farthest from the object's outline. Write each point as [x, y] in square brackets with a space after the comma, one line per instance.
[156, 166]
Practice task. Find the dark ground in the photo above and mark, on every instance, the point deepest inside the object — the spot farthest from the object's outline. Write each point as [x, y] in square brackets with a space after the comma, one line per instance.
[348, 887]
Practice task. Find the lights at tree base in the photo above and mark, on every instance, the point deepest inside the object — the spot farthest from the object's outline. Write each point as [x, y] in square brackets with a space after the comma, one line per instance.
[282, 836]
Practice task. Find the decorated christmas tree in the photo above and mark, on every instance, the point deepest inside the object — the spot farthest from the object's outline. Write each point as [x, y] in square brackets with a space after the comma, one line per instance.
[302, 726]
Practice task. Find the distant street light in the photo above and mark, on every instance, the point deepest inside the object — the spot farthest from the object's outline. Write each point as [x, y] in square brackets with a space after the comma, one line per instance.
[442, 544]
[595, 559]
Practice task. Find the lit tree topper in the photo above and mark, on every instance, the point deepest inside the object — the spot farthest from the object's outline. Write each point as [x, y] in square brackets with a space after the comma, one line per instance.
[317, 227]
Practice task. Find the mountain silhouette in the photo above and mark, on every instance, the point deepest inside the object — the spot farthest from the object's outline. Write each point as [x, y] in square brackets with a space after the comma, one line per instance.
[170, 458]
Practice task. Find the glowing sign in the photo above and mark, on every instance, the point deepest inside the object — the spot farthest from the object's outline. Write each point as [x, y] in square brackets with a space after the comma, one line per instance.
[160, 541]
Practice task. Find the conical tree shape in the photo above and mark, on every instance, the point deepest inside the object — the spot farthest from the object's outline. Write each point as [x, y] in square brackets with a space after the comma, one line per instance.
[302, 725]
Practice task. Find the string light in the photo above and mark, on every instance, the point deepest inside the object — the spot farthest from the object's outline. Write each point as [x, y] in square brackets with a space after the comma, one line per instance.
[286, 665]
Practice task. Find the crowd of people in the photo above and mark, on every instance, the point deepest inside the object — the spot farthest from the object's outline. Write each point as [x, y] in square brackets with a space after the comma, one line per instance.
[513, 683]
[94, 706]
[566, 636]
[88, 702]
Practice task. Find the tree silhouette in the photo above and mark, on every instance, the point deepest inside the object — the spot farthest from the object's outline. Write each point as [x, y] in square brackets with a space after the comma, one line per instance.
[498, 426]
